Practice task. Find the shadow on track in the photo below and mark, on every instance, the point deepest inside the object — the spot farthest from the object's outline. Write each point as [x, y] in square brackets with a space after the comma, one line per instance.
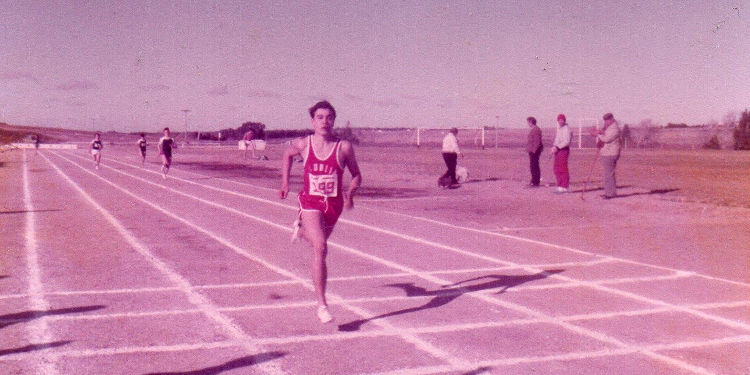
[231, 365]
[22, 317]
[27, 211]
[478, 371]
[488, 179]
[449, 293]
[600, 188]
[226, 170]
[390, 192]
[33, 347]
[655, 191]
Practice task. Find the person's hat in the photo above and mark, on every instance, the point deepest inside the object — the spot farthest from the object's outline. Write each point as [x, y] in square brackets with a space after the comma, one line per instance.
[561, 116]
[608, 116]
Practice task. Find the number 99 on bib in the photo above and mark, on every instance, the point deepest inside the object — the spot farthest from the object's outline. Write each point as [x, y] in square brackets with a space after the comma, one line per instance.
[323, 185]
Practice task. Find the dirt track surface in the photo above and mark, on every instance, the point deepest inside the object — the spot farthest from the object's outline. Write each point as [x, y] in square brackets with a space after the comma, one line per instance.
[119, 271]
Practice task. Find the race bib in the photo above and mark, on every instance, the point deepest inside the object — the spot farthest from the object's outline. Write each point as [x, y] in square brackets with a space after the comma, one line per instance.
[323, 185]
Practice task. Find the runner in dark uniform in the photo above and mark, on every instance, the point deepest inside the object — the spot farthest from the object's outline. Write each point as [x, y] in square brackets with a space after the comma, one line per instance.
[166, 143]
[96, 149]
[142, 147]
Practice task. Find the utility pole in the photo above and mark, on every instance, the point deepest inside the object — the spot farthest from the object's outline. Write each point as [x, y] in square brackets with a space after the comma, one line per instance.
[186, 111]
[497, 128]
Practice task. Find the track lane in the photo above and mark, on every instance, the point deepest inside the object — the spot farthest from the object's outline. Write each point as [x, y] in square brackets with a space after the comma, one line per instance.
[655, 355]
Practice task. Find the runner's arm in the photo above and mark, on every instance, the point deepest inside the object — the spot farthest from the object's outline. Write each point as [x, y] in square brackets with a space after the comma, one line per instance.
[350, 160]
[295, 148]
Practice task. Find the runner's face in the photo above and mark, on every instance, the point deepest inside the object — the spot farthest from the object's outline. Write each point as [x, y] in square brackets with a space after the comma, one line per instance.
[322, 121]
[166, 133]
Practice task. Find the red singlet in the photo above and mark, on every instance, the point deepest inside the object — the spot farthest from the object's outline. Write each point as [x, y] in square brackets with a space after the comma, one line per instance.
[321, 188]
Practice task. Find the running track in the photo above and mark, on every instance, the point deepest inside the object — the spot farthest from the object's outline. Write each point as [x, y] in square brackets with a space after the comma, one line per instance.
[117, 271]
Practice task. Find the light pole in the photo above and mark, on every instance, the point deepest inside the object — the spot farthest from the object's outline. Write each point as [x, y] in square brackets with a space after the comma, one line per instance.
[93, 129]
[185, 111]
[497, 128]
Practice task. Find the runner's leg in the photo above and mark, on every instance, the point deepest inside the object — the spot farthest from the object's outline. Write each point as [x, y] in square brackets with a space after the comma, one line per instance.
[314, 231]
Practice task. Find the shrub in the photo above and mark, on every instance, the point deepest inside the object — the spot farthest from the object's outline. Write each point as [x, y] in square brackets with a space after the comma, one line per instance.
[713, 143]
[742, 132]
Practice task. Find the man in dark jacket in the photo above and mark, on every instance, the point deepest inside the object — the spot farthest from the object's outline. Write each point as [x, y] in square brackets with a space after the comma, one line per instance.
[534, 148]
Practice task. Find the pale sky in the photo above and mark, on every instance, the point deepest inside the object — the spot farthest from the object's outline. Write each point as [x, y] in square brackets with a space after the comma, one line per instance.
[134, 65]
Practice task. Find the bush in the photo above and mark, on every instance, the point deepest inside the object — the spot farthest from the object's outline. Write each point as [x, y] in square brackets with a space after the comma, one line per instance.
[742, 132]
[713, 143]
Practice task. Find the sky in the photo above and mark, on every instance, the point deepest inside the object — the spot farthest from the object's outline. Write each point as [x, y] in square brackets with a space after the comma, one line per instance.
[136, 65]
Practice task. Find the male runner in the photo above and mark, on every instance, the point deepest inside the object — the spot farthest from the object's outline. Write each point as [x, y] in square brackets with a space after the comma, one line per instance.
[166, 143]
[142, 147]
[322, 197]
[96, 149]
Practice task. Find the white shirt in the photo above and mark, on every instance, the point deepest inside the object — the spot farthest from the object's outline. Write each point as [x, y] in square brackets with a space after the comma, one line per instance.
[611, 139]
[562, 137]
[450, 143]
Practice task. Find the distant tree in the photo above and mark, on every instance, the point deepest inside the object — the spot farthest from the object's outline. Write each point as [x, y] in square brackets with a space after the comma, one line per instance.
[646, 134]
[347, 134]
[257, 128]
[627, 135]
[647, 123]
[730, 119]
[713, 143]
[675, 125]
[742, 132]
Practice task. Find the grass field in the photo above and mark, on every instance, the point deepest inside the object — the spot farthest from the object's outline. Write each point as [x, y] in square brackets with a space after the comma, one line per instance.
[118, 271]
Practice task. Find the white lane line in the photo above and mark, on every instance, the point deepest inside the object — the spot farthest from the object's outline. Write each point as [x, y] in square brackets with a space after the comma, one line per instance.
[367, 300]
[458, 271]
[490, 364]
[414, 340]
[38, 329]
[493, 365]
[575, 284]
[204, 304]
[452, 226]
[444, 328]
[554, 246]
[214, 188]
[523, 309]
[200, 175]
[519, 308]
[131, 350]
[375, 200]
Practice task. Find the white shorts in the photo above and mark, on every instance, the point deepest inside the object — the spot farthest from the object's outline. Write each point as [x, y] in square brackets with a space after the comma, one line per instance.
[95, 152]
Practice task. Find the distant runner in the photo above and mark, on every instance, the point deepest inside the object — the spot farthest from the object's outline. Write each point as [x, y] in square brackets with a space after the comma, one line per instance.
[142, 148]
[322, 197]
[36, 144]
[96, 149]
[166, 143]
